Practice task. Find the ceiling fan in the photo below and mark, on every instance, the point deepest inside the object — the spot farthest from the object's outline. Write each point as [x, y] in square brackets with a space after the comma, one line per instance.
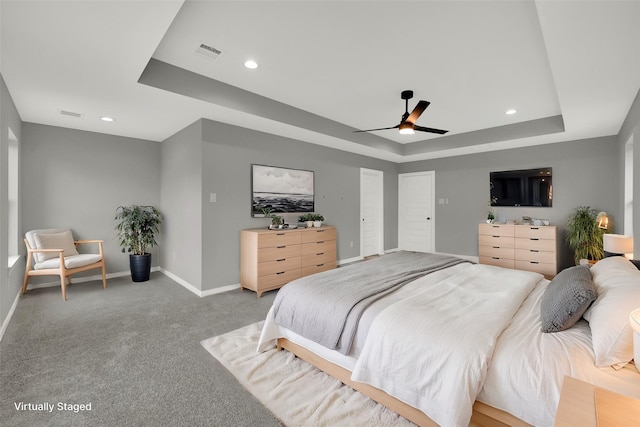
[407, 124]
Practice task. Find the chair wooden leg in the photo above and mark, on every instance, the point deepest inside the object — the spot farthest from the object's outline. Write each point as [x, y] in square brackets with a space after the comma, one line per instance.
[63, 282]
[104, 278]
[26, 282]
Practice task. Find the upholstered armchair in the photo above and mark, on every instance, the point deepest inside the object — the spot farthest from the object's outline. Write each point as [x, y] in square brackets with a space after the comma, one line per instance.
[53, 251]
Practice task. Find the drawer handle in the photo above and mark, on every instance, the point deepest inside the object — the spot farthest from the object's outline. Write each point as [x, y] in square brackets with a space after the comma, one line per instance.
[495, 257]
[280, 260]
[535, 228]
[495, 226]
[319, 231]
[280, 272]
[534, 262]
[281, 234]
[495, 236]
[534, 238]
[533, 250]
[280, 247]
[320, 242]
[495, 247]
[320, 253]
[319, 265]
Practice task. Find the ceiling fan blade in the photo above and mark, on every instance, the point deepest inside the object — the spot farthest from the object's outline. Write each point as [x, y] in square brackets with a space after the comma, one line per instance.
[431, 130]
[420, 107]
[371, 130]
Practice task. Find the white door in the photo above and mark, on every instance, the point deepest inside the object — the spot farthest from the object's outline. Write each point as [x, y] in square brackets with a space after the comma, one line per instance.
[371, 212]
[415, 211]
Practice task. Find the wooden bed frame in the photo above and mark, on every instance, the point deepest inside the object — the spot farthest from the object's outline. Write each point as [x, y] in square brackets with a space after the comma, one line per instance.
[483, 414]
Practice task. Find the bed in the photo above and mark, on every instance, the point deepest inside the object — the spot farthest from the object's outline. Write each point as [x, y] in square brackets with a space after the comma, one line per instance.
[442, 340]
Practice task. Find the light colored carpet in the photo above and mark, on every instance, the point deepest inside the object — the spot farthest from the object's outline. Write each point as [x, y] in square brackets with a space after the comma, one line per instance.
[294, 391]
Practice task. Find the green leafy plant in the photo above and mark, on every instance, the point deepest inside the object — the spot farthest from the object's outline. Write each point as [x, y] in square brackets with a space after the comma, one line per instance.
[306, 217]
[137, 228]
[583, 234]
[276, 220]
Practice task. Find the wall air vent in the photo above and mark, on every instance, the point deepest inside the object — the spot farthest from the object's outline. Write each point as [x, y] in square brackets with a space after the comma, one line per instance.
[208, 51]
[70, 113]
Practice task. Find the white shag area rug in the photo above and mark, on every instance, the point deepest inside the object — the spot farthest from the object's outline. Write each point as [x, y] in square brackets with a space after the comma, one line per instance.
[297, 393]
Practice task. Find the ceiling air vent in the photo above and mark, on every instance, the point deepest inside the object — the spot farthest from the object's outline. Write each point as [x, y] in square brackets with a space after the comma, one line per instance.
[70, 113]
[208, 51]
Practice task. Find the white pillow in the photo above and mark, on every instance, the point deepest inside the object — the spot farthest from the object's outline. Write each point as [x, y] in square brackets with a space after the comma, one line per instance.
[62, 240]
[617, 283]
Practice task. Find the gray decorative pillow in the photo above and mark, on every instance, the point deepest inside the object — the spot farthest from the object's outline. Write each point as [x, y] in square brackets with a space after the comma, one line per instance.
[566, 298]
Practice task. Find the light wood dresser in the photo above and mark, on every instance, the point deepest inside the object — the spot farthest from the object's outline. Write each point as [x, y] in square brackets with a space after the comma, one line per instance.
[523, 247]
[270, 259]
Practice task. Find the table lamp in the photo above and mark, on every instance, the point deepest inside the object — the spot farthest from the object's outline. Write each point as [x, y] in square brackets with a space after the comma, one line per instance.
[617, 244]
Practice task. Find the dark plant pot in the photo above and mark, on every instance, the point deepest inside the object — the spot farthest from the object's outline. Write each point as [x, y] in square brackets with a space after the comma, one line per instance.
[140, 266]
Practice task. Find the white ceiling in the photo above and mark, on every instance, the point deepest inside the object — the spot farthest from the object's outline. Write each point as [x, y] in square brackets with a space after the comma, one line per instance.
[571, 69]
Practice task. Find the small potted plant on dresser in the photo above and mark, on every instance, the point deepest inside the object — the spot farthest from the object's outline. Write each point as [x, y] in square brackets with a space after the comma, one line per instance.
[307, 219]
[276, 222]
[317, 220]
[137, 228]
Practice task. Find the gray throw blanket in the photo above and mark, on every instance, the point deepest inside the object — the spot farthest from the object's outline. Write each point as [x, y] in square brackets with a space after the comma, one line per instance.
[327, 306]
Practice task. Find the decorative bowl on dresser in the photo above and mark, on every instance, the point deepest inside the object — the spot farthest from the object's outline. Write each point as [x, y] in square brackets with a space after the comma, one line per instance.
[523, 247]
[269, 259]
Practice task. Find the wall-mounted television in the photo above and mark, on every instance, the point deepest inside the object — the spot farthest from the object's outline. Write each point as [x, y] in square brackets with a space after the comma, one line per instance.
[281, 190]
[527, 187]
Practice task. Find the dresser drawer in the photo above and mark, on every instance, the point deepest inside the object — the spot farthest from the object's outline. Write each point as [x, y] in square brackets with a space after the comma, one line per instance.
[495, 241]
[276, 280]
[317, 268]
[317, 235]
[278, 252]
[547, 269]
[318, 247]
[319, 258]
[536, 244]
[535, 255]
[544, 232]
[278, 238]
[496, 252]
[496, 229]
[272, 267]
[500, 262]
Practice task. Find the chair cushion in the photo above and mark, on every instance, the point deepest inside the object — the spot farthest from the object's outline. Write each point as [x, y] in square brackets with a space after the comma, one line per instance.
[63, 240]
[73, 261]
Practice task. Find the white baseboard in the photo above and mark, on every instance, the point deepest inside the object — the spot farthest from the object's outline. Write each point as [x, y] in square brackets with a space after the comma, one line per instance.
[7, 319]
[195, 290]
[349, 260]
[86, 279]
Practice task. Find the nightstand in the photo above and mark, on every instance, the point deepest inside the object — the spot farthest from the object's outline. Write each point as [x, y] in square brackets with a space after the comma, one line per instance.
[577, 406]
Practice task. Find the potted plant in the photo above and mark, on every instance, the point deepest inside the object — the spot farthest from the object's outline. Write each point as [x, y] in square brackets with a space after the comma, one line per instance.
[583, 234]
[276, 222]
[317, 220]
[307, 219]
[137, 228]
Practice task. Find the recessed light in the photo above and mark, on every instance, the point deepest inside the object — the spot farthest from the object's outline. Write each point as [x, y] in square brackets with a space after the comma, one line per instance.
[107, 119]
[251, 64]
[511, 111]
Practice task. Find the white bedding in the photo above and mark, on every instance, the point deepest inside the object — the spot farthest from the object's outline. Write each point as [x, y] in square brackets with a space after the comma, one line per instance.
[432, 350]
[528, 367]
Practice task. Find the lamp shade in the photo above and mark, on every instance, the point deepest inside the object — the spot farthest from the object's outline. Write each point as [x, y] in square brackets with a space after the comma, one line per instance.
[602, 220]
[617, 244]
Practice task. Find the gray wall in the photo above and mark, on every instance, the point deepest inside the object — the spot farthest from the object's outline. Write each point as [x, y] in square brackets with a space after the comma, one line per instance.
[181, 204]
[581, 177]
[77, 179]
[10, 280]
[228, 152]
[631, 128]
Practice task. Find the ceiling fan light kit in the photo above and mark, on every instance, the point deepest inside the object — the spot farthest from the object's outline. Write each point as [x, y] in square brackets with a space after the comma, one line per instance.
[407, 125]
[406, 129]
